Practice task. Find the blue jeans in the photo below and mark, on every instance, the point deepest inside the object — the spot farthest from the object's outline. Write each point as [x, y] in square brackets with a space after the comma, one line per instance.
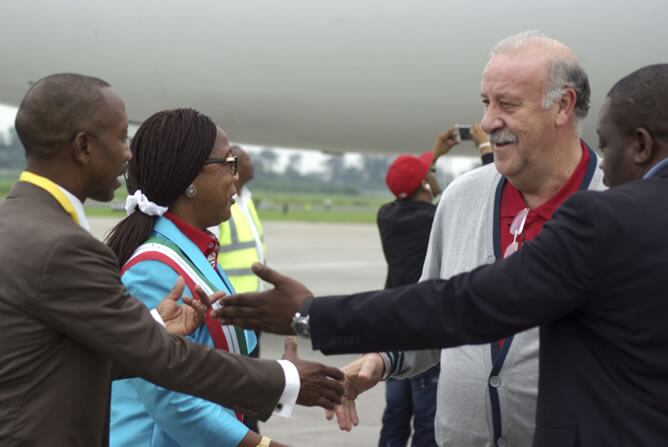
[416, 398]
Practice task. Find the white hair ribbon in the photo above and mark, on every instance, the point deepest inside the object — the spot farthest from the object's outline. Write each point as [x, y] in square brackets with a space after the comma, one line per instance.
[138, 199]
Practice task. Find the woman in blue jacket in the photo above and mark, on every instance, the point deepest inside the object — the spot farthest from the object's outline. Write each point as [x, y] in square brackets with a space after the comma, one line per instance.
[181, 178]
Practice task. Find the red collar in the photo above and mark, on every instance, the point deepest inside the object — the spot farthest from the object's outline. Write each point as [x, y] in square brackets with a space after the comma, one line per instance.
[203, 239]
[512, 201]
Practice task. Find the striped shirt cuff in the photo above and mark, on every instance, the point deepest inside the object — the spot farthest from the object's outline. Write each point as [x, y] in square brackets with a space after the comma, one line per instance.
[394, 361]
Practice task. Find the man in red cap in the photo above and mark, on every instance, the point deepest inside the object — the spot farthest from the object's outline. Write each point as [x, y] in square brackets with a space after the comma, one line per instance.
[405, 225]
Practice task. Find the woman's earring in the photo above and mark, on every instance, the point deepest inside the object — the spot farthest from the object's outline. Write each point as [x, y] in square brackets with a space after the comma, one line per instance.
[191, 191]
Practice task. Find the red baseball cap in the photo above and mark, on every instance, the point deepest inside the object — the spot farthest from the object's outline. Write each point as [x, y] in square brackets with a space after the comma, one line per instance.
[406, 173]
[427, 158]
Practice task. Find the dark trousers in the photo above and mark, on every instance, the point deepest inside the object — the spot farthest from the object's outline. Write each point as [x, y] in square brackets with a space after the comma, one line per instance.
[416, 398]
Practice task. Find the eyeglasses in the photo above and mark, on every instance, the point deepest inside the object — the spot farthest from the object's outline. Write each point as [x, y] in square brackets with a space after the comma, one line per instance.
[516, 228]
[231, 160]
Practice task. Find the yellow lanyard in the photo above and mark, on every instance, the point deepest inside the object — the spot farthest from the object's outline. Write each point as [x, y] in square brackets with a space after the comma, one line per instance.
[53, 189]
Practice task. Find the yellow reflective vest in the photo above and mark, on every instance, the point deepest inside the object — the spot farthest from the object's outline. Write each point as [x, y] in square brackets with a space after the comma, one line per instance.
[238, 248]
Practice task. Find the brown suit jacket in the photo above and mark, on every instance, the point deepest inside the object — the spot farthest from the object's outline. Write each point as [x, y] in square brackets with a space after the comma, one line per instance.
[65, 318]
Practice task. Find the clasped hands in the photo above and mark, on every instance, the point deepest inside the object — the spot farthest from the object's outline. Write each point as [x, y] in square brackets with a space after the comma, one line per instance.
[360, 376]
[272, 311]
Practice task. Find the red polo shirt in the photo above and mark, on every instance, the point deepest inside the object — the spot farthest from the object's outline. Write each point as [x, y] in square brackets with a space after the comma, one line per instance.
[512, 203]
[203, 239]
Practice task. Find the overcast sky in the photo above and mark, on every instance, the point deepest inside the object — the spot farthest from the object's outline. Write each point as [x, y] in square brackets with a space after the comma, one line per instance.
[6, 116]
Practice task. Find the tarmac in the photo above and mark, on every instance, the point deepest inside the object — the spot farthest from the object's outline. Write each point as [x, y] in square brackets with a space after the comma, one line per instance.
[330, 259]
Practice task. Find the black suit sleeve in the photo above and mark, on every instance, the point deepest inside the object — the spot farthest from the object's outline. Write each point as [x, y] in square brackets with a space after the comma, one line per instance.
[81, 295]
[547, 279]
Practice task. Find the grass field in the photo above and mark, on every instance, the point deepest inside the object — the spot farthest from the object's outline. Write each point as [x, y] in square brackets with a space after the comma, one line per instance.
[272, 206]
[6, 182]
[333, 216]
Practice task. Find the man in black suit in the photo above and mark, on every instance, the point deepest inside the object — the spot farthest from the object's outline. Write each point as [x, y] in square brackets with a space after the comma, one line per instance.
[593, 281]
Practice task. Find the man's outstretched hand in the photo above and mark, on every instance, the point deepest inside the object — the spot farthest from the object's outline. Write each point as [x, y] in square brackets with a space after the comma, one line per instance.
[320, 385]
[361, 375]
[184, 319]
[268, 311]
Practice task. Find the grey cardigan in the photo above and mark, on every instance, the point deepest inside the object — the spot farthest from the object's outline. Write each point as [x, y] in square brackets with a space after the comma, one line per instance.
[468, 394]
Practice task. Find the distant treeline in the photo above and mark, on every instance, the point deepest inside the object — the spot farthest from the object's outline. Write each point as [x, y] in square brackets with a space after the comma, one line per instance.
[335, 177]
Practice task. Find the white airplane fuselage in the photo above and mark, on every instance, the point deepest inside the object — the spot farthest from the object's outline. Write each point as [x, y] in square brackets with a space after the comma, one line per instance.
[345, 75]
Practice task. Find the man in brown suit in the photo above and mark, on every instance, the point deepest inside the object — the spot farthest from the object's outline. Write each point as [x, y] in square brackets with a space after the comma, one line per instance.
[65, 318]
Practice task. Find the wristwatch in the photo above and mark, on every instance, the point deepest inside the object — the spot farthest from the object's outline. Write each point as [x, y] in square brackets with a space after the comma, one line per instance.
[300, 321]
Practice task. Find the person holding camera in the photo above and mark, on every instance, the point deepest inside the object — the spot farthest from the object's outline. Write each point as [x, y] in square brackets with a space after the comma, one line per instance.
[404, 226]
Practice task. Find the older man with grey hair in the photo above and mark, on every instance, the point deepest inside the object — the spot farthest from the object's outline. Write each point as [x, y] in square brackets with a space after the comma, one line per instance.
[535, 92]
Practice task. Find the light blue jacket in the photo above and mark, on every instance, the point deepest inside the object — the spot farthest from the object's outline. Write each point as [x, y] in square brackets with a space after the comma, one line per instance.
[144, 414]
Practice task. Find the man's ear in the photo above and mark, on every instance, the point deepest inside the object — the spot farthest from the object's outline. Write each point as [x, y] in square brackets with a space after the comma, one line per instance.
[643, 146]
[566, 106]
[81, 148]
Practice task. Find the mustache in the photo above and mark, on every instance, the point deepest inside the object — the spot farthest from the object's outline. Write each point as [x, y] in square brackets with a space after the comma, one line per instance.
[502, 136]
